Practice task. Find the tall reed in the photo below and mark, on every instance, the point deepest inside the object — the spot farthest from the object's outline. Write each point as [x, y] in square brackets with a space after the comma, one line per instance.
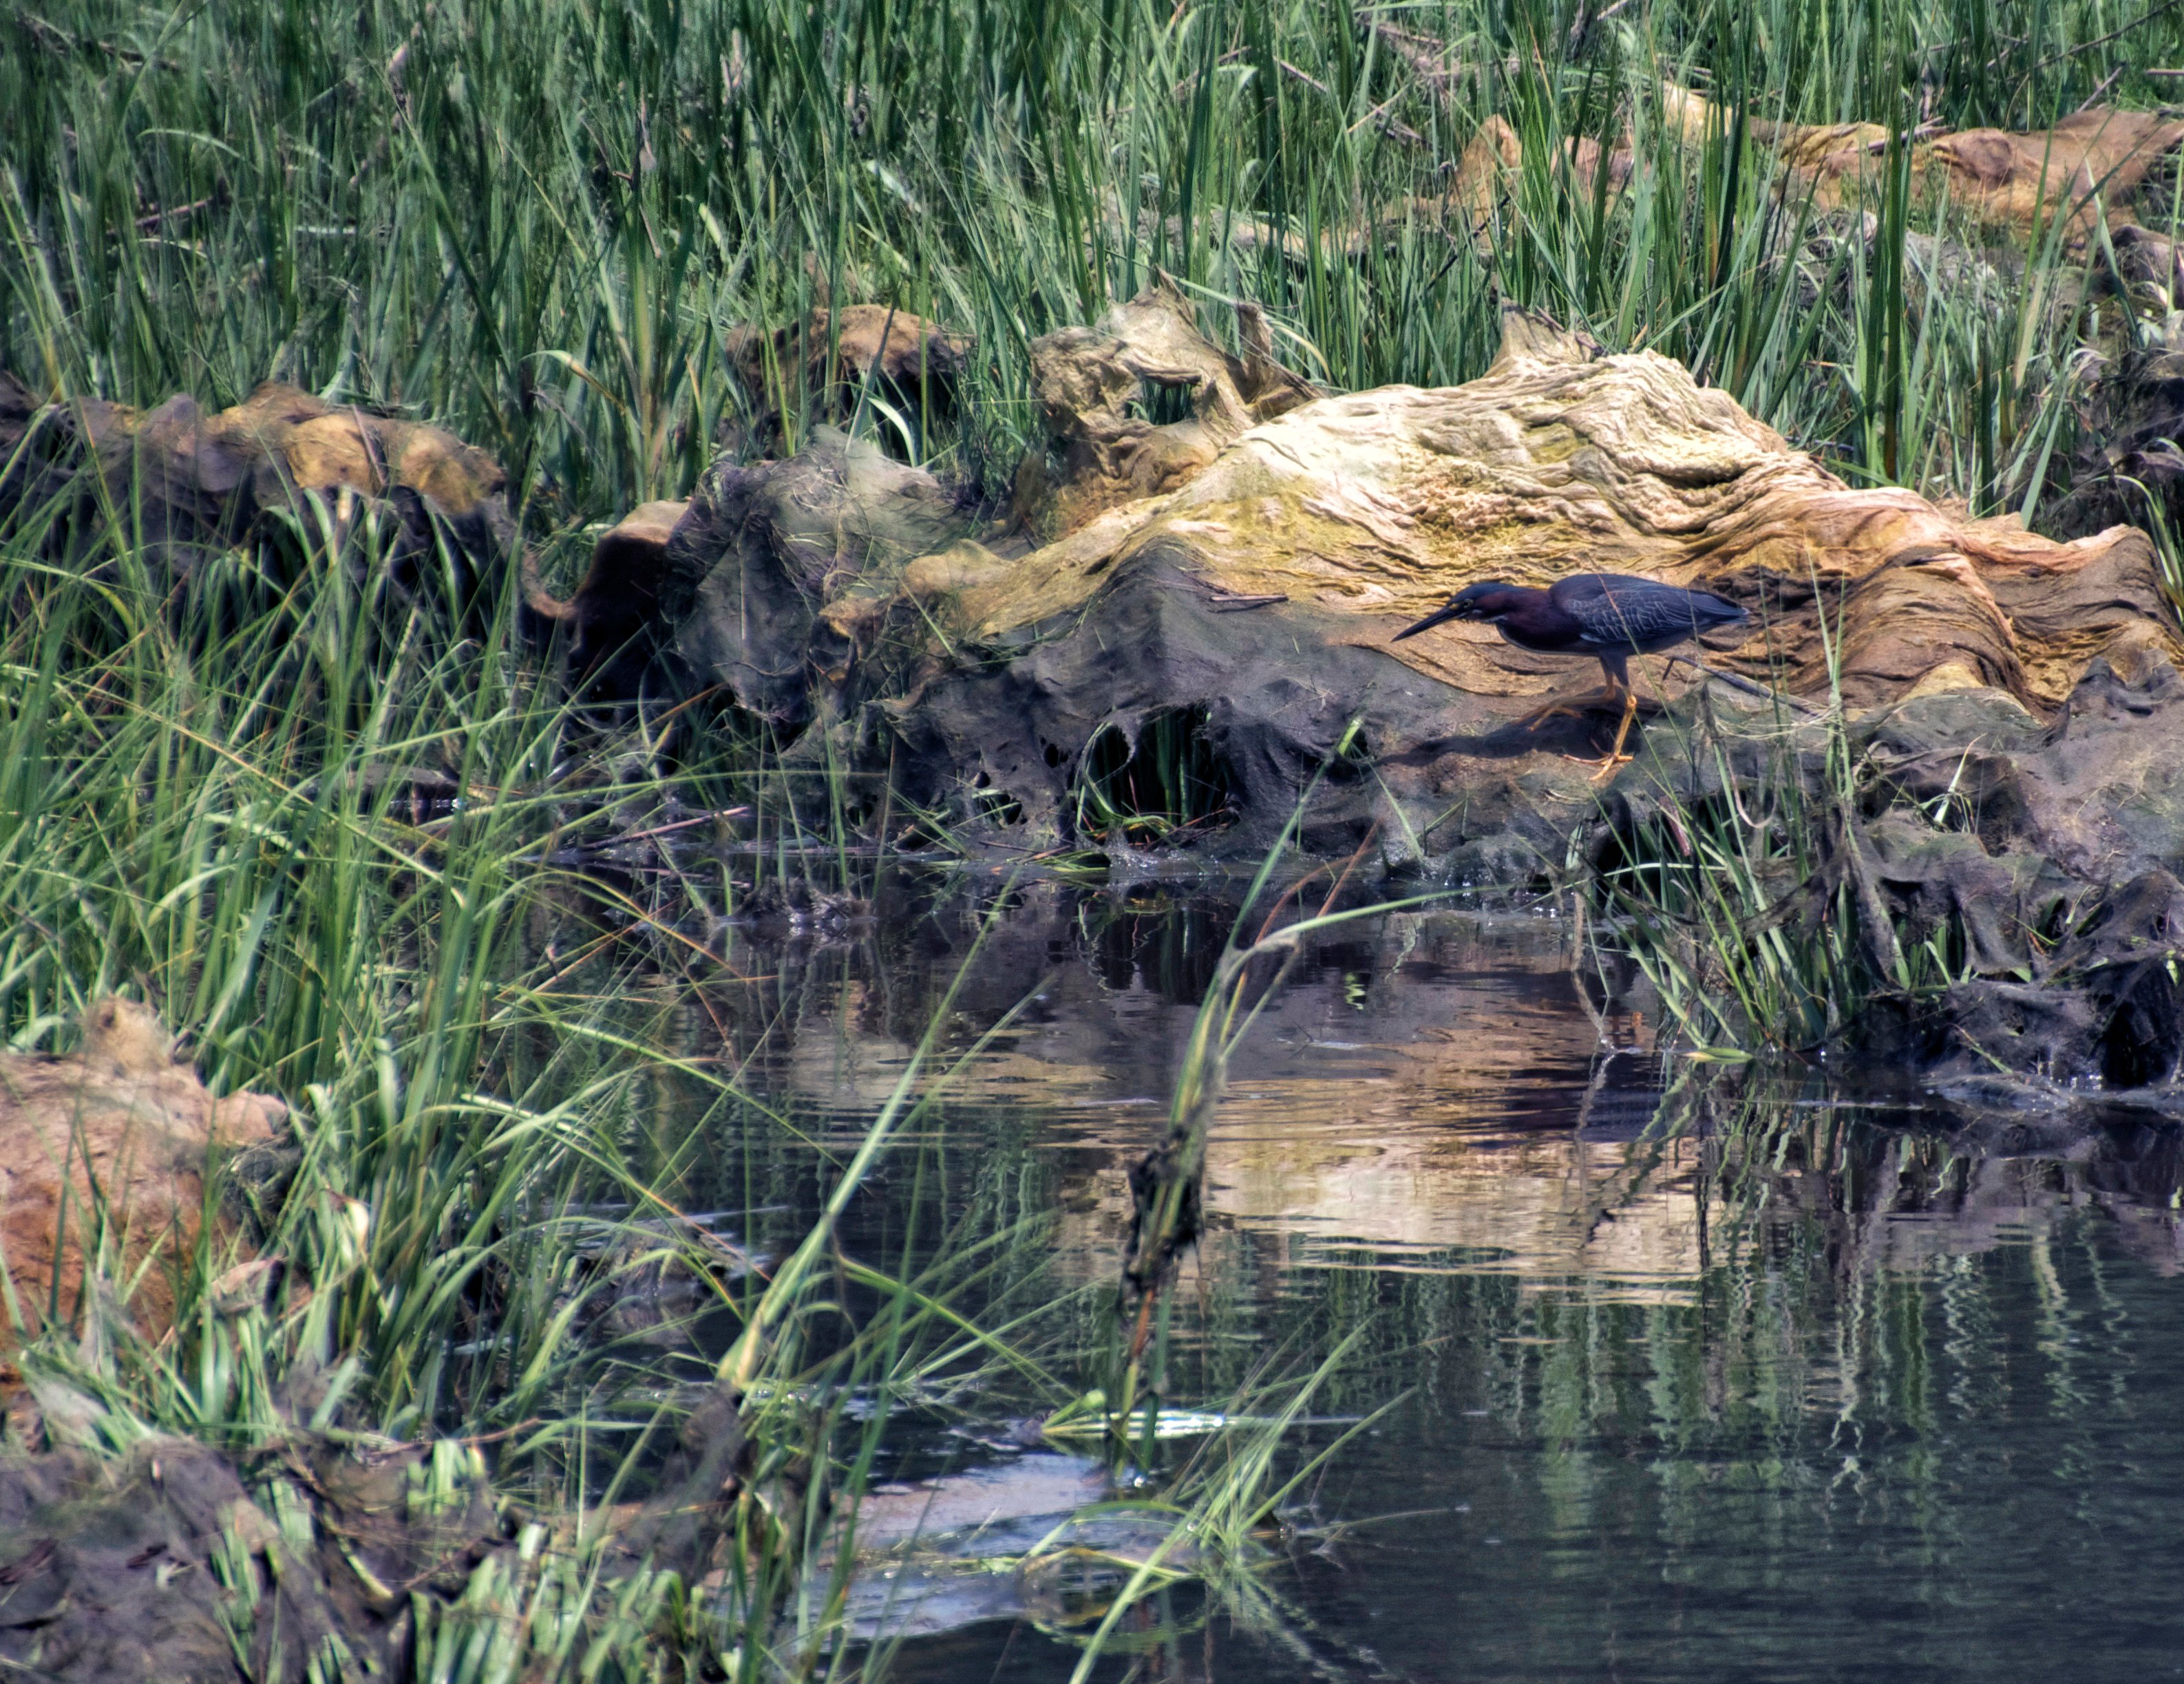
[542, 225]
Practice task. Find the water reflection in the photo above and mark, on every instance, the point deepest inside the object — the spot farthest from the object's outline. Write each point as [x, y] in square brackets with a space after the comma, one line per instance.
[1701, 1376]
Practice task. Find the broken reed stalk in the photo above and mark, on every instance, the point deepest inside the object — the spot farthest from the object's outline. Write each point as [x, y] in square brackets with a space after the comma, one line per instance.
[1166, 1184]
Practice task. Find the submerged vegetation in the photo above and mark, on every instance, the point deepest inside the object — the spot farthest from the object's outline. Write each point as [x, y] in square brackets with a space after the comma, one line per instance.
[371, 857]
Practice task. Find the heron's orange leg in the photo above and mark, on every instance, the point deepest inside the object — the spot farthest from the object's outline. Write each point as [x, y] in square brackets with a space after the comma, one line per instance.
[1617, 759]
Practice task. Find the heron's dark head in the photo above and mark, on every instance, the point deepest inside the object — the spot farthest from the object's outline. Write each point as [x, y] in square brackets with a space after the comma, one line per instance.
[1489, 600]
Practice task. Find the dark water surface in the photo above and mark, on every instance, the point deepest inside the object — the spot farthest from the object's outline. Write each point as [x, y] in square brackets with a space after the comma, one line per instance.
[1690, 1381]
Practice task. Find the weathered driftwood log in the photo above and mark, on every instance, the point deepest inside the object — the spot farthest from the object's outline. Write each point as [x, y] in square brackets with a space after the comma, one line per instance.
[1242, 616]
[2090, 158]
[842, 356]
[2091, 163]
[1357, 514]
[190, 484]
[731, 587]
[102, 1167]
[1099, 390]
[728, 590]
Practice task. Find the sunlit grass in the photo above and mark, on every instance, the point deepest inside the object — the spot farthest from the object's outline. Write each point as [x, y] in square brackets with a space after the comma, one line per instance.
[542, 226]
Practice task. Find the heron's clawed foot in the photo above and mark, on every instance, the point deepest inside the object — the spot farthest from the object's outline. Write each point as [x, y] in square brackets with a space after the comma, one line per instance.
[1628, 703]
[1617, 759]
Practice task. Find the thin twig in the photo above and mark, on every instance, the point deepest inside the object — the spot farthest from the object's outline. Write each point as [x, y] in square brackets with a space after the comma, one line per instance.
[157, 217]
[1925, 131]
[2139, 22]
[679, 825]
[1736, 681]
[2107, 82]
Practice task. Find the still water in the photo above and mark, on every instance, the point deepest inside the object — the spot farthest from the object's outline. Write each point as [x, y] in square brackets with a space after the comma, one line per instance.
[1682, 1379]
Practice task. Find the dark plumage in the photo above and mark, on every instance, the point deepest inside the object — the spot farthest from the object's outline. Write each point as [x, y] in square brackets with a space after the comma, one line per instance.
[1610, 616]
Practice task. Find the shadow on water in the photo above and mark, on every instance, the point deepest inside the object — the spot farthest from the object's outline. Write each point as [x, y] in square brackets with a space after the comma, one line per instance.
[1692, 1374]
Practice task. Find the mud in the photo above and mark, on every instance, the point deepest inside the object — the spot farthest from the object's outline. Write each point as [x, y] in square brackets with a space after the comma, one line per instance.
[169, 1562]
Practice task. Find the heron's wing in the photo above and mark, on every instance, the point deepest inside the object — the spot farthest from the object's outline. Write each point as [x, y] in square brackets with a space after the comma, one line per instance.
[1708, 611]
[1617, 609]
[1573, 593]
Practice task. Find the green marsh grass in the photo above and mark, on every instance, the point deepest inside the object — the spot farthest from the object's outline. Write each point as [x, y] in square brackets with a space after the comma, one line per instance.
[1753, 909]
[216, 816]
[189, 817]
[1713, 899]
[542, 226]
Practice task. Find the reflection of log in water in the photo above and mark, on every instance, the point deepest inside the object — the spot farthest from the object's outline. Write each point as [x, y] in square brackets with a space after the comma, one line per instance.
[1414, 1100]
[1883, 1198]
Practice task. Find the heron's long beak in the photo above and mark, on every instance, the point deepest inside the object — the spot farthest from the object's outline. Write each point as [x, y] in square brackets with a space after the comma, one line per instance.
[1431, 621]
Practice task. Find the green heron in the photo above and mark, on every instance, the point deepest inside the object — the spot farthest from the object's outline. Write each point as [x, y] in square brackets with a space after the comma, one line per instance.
[1611, 616]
